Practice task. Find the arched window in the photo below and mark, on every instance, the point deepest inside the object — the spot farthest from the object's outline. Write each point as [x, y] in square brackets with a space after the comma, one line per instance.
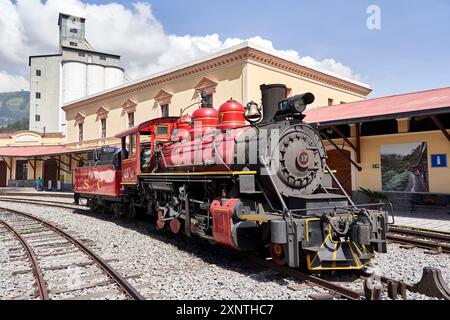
[102, 114]
[129, 108]
[163, 98]
[79, 119]
[208, 86]
[80, 132]
[103, 125]
[130, 119]
[164, 110]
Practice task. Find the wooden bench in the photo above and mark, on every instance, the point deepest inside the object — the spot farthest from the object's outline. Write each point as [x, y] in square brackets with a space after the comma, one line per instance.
[428, 200]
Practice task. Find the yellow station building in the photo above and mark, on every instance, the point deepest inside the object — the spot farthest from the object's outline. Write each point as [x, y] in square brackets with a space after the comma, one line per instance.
[365, 131]
[233, 73]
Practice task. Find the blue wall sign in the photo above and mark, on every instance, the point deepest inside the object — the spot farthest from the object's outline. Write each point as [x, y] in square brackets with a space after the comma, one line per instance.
[439, 160]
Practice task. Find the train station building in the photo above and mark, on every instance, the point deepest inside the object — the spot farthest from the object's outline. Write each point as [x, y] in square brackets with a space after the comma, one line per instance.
[235, 73]
[27, 155]
[93, 121]
[397, 145]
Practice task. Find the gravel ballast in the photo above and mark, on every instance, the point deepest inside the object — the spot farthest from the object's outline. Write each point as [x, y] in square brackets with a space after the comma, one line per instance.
[175, 267]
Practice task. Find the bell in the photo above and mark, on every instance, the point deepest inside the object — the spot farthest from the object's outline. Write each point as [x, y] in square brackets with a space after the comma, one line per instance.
[252, 112]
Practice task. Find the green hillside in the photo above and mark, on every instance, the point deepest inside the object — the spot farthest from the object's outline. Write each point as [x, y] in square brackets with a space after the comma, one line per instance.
[14, 110]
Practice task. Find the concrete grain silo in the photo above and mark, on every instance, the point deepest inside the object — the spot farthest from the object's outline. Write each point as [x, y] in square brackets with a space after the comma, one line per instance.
[75, 72]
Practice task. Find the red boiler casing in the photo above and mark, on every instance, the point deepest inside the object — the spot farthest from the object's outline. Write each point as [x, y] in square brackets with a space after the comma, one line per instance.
[204, 120]
[202, 153]
[104, 180]
[231, 115]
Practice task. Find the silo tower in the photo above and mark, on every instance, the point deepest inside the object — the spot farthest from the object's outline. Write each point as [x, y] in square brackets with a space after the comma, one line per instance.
[77, 71]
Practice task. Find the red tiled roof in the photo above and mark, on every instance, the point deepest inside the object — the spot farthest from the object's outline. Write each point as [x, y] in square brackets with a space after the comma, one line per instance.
[423, 102]
[35, 151]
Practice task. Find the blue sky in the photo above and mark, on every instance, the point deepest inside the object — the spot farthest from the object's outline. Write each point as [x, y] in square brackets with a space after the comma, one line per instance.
[409, 53]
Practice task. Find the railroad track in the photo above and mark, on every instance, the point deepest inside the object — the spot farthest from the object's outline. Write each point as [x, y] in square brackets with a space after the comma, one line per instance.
[41, 242]
[432, 283]
[419, 238]
[335, 289]
[38, 202]
[439, 242]
[37, 194]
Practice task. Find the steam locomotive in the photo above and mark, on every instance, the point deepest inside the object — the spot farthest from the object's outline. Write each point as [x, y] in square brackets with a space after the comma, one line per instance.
[239, 178]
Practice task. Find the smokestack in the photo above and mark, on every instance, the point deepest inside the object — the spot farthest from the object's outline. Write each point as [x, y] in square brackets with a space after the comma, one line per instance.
[271, 94]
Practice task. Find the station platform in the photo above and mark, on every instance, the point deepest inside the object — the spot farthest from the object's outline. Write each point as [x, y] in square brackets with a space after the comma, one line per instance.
[34, 192]
[427, 219]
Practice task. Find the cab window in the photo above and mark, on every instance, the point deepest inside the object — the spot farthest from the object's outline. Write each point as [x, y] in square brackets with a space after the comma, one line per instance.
[145, 156]
[162, 131]
[125, 148]
[132, 143]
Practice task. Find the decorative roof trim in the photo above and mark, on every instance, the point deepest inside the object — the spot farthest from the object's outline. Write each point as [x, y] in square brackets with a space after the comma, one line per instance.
[102, 112]
[79, 118]
[129, 106]
[163, 97]
[206, 84]
[26, 132]
[241, 55]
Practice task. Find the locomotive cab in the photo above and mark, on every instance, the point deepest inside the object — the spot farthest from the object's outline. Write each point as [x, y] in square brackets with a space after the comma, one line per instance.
[139, 145]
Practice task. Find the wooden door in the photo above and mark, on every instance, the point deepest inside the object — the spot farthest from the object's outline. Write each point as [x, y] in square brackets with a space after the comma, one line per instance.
[341, 168]
[50, 173]
[3, 173]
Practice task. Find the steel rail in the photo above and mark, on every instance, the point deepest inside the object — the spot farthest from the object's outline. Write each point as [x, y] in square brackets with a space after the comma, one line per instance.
[112, 273]
[419, 243]
[347, 293]
[42, 203]
[4, 198]
[344, 292]
[37, 194]
[42, 287]
[428, 234]
[420, 238]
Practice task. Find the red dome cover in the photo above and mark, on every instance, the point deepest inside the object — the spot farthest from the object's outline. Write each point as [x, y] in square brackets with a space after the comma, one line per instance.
[231, 115]
[183, 126]
[203, 120]
[184, 122]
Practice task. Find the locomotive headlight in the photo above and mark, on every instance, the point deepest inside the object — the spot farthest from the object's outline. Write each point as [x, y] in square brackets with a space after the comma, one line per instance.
[294, 105]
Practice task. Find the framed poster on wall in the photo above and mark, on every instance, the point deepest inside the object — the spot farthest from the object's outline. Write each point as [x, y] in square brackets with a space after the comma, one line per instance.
[404, 167]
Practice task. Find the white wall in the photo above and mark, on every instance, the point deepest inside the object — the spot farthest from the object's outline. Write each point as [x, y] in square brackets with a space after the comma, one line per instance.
[48, 84]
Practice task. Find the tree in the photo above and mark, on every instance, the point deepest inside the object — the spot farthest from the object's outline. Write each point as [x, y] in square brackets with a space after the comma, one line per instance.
[18, 125]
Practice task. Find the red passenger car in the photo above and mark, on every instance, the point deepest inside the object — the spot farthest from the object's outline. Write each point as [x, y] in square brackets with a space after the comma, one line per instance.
[100, 177]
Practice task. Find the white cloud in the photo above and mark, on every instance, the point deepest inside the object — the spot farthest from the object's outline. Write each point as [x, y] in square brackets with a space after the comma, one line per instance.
[29, 27]
[10, 82]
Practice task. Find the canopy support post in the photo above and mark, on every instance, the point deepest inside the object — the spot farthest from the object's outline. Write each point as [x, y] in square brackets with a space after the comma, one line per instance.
[323, 134]
[358, 142]
[441, 127]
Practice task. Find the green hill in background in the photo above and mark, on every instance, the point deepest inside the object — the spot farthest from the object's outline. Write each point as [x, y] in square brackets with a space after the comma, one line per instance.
[14, 110]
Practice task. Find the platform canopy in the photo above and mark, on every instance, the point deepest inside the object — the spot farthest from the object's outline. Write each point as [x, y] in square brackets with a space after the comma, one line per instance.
[430, 102]
[427, 110]
[38, 151]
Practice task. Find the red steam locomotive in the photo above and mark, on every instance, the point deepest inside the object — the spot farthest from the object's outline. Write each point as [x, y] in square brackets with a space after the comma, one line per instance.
[250, 187]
